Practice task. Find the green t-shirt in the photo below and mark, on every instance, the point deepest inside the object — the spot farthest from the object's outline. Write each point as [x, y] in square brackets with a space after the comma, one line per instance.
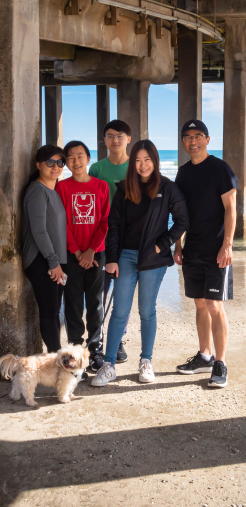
[111, 173]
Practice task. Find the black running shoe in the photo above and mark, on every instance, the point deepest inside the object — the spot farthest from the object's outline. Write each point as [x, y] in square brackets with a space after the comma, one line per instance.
[121, 354]
[95, 361]
[196, 364]
[219, 375]
[84, 376]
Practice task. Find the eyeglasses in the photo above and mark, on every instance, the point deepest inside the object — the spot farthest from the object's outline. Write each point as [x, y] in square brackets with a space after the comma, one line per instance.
[188, 139]
[118, 136]
[51, 162]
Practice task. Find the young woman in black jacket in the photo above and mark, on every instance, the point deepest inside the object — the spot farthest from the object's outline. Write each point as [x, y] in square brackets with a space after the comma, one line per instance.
[138, 250]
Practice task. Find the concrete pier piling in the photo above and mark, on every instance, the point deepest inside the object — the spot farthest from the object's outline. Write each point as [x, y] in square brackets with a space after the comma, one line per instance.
[19, 140]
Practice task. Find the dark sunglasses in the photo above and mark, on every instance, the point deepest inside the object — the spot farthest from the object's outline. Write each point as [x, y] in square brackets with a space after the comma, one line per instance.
[51, 162]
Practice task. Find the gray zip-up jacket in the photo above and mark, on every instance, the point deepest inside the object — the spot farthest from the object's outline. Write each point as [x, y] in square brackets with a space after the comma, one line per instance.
[43, 226]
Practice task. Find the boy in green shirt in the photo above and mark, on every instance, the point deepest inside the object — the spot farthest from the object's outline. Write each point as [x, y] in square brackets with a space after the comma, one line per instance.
[117, 135]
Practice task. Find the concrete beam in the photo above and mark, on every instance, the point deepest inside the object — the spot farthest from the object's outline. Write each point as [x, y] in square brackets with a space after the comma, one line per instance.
[53, 115]
[106, 68]
[49, 49]
[234, 143]
[88, 29]
[189, 82]
[19, 126]
[102, 119]
[132, 107]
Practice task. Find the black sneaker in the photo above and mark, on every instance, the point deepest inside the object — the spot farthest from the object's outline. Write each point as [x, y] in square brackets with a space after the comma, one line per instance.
[95, 361]
[84, 376]
[196, 364]
[121, 354]
[219, 375]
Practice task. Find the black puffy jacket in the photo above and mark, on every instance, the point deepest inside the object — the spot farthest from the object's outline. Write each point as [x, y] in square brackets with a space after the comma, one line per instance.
[155, 232]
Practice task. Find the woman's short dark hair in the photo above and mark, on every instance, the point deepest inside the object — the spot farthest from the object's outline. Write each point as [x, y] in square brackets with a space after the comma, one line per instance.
[133, 181]
[74, 144]
[44, 153]
[119, 126]
[47, 151]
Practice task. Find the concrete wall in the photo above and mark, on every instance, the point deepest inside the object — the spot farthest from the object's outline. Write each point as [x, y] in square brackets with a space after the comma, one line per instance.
[19, 126]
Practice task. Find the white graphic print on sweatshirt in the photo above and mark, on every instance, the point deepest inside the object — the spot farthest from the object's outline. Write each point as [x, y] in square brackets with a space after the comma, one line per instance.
[83, 206]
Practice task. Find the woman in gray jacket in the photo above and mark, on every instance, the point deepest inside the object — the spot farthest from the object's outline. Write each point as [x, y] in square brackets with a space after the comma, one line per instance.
[44, 242]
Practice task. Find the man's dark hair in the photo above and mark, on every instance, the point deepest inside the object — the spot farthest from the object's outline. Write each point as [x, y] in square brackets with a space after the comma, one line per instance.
[119, 126]
[47, 151]
[74, 144]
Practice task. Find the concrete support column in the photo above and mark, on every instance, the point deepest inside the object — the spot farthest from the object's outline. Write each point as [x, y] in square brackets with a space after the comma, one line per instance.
[132, 107]
[102, 118]
[234, 140]
[53, 115]
[189, 81]
[19, 140]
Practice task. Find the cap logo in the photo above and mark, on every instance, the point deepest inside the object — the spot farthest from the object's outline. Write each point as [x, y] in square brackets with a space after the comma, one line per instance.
[192, 125]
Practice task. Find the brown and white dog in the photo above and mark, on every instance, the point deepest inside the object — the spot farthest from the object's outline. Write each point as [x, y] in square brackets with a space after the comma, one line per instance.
[62, 370]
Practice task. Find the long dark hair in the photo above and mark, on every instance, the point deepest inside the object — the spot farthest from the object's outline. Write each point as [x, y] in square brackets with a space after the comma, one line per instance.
[133, 182]
[44, 153]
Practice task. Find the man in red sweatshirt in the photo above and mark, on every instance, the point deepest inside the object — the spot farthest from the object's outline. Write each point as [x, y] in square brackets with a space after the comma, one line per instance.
[86, 201]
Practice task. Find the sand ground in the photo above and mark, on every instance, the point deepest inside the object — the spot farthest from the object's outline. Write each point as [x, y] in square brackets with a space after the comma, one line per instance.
[173, 443]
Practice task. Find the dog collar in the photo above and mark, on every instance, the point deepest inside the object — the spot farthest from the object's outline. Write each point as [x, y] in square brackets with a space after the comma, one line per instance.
[74, 374]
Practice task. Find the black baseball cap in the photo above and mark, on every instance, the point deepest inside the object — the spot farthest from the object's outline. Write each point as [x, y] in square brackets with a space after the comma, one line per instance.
[194, 125]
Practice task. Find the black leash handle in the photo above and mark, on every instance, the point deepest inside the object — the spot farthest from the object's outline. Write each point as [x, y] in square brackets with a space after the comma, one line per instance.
[113, 277]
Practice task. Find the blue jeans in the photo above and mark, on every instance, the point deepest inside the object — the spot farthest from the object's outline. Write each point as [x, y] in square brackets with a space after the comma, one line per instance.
[148, 287]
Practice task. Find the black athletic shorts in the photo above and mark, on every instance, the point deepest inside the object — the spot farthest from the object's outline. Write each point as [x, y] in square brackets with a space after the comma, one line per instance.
[207, 280]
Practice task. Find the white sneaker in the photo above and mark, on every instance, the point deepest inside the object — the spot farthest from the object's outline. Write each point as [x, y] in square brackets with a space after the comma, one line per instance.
[104, 375]
[146, 373]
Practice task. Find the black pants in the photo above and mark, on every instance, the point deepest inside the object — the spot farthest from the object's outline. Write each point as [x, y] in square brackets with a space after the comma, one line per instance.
[48, 295]
[84, 283]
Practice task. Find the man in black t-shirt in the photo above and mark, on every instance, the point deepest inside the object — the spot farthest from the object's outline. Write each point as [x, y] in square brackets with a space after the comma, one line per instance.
[209, 187]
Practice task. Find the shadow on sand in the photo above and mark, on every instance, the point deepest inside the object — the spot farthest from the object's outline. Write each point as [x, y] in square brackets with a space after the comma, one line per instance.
[87, 459]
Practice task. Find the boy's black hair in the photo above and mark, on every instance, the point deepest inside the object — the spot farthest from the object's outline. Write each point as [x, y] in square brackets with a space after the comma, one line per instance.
[47, 151]
[74, 144]
[119, 126]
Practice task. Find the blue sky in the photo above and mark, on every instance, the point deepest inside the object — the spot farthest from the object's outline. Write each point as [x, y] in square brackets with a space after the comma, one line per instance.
[79, 114]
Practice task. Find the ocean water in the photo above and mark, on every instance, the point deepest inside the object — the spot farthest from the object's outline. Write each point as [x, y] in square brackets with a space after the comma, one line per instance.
[168, 162]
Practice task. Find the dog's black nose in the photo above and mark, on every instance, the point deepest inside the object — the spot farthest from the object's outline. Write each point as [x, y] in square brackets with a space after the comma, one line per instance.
[66, 361]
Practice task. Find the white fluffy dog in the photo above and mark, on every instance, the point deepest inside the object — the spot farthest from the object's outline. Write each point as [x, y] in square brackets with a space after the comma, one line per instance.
[61, 370]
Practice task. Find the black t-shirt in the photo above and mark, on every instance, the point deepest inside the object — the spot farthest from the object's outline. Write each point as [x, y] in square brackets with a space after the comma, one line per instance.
[135, 216]
[202, 186]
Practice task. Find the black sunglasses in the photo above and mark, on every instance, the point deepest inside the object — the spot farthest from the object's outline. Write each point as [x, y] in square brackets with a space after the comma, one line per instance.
[51, 162]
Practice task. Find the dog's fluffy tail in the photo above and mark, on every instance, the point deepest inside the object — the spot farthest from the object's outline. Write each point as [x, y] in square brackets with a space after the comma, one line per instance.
[9, 365]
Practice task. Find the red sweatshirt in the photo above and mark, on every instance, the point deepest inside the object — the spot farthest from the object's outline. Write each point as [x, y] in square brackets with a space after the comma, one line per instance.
[87, 209]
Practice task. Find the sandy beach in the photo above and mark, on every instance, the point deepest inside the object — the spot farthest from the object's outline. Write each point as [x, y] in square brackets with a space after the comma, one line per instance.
[173, 443]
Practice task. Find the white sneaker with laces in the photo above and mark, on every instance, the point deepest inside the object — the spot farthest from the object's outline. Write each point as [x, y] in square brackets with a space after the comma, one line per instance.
[146, 373]
[104, 375]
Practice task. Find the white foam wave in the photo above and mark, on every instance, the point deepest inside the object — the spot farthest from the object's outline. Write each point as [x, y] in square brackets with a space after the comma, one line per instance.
[168, 163]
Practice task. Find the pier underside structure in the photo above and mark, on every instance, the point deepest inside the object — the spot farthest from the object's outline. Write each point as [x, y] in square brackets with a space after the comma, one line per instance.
[126, 44]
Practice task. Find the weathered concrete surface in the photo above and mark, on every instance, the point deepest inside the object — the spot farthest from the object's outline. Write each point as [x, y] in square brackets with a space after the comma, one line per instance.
[19, 126]
[132, 107]
[102, 119]
[234, 146]
[100, 67]
[172, 443]
[88, 29]
[189, 82]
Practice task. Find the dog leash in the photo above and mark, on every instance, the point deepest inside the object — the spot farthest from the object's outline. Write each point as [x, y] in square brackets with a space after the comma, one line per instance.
[113, 277]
